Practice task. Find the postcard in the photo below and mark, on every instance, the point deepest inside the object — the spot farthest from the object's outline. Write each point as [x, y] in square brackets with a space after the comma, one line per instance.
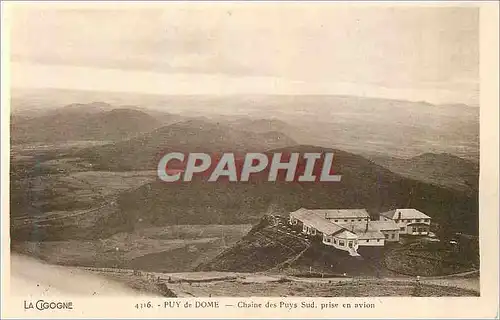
[250, 160]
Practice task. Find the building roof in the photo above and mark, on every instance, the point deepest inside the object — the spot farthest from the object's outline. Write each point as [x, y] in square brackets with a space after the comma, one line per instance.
[415, 224]
[317, 222]
[341, 213]
[361, 230]
[370, 234]
[405, 214]
[346, 234]
[385, 225]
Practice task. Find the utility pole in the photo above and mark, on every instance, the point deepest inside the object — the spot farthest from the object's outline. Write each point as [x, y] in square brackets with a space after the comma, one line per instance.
[223, 238]
[409, 198]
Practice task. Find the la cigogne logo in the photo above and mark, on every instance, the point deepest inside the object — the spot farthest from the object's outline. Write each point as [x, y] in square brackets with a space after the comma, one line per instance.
[245, 167]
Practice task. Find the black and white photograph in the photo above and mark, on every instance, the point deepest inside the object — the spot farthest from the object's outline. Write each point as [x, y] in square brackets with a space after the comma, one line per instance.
[206, 150]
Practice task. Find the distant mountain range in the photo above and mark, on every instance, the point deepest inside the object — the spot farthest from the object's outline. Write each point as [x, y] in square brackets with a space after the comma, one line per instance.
[94, 121]
[260, 125]
[362, 125]
[364, 184]
[138, 138]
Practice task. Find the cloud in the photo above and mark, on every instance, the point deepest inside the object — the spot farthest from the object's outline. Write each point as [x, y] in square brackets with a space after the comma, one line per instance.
[397, 47]
[119, 80]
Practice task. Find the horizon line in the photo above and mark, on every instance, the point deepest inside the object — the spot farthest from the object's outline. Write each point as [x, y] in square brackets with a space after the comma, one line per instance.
[423, 101]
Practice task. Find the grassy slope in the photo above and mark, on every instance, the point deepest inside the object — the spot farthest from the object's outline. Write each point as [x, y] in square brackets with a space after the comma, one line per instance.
[364, 185]
[441, 169]
[268, 247]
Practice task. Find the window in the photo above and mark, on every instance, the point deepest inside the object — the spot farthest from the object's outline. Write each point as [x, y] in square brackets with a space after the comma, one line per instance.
[397, 221]
[368, 240]
[426, 220]
[378, 240]
[341, 243]
[402, 229]
[334, 241]
[345, 220]
[386, 236]
[393, 236]
[359, 219]
[350, 244]
[313, 231]
[336, 220]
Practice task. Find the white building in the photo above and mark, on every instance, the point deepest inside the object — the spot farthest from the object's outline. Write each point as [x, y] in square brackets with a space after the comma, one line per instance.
[367, 233]
[409, 221]
[389, 229]
[331, 234]
[343, 215]
[349, 229]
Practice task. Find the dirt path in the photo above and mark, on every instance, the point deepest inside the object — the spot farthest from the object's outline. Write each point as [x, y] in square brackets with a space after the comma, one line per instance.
[458, 282]
[463, 283]
[32, 277]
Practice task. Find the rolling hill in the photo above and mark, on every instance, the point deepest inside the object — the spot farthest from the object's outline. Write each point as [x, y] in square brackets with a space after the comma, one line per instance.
[364, 185]
[94, 121]
[143, 152]
[441, 169]
[362, 125]
[260, 125]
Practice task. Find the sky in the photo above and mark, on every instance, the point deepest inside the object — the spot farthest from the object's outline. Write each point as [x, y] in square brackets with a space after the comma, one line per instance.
[401, 52]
